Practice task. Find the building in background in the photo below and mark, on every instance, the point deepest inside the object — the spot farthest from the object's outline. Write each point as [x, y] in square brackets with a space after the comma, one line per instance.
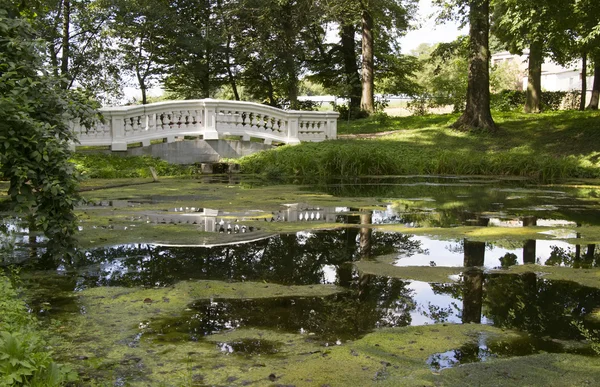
[554, 76]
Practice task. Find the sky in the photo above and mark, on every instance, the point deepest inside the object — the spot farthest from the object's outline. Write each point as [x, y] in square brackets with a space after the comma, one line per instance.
[428, 31]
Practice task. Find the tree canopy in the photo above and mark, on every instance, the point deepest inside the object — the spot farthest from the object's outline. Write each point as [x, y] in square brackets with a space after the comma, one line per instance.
[34, 133]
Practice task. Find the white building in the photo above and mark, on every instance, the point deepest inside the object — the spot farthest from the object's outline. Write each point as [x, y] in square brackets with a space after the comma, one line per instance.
[554, 76]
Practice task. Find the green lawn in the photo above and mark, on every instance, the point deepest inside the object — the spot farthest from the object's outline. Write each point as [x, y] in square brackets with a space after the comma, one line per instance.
[545, 146]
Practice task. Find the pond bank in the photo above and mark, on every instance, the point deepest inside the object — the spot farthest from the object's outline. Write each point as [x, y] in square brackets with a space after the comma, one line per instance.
[544, 147]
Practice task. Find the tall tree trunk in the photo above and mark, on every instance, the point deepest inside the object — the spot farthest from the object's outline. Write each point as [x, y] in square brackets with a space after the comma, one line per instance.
[271, 93]
[365, 235]
[350, 65]
[589, 255]
[66, 48]
[144, 97]
[596, 87]
[474, 259]
[293, 89]
[367, 102]
[583, 80]
[477, 115]
[534, 78]
[230, 75]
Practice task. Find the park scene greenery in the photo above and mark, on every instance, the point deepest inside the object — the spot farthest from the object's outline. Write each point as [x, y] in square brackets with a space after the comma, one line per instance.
[452, 245]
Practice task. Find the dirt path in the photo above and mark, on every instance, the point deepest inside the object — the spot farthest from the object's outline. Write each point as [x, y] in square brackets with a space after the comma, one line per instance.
[367, 135]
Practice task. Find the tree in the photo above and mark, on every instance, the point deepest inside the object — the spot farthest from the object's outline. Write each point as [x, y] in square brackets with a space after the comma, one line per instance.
[78, 47]
[137, 27]
[442, 76]
[477, 115]
[384, 20]
[336, 65]
[538, 26]
[34, 133]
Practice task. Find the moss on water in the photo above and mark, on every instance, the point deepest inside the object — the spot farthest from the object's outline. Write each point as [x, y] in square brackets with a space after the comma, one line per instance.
[382, 266]
[585, 277]
[545, 369]
[587, 234]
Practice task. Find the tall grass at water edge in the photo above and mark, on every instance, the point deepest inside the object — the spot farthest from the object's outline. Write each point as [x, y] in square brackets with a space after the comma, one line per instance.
[377, 157]
[546, 147]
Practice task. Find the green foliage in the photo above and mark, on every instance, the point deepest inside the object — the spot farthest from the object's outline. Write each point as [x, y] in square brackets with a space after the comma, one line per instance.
[442, 76]
[34, 133]
[24, 358]
[91, 165]
[505, 76]
[348, 112]
[512, 100]
[310, 88]
[591, 335]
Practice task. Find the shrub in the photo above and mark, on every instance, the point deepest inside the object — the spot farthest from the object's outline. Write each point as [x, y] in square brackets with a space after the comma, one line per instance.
[113, 166]
[24, 357]
[510, 100]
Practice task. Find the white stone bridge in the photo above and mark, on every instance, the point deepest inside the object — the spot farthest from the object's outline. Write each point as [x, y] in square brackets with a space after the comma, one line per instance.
[209, 119]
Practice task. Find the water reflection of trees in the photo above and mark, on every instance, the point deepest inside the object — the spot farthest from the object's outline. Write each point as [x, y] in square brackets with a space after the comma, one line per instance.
[523, 302]
[371, 302]
[454, 201]
[302, 258]
[566, 257]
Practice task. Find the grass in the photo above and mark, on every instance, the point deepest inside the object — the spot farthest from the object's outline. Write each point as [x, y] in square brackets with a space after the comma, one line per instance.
[546, 147]
[96, 165]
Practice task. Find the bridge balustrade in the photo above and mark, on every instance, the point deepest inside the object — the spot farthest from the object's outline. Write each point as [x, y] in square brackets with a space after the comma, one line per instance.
[208, 118]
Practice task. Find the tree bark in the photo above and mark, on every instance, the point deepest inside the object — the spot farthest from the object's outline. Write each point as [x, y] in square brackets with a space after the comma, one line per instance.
[596, 86]
[583, 81]
[350, 65]
[367, 102]
[66, 48]
[477, 115]
[230, 75]
[534, 78]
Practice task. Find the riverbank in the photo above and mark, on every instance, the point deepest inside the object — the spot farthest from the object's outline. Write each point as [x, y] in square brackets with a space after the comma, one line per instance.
[545, 147]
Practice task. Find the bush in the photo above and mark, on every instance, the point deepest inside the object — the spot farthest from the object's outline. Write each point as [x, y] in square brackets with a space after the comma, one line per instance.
[510, 100]
[24, 357]
[112, 166]
[349, 113]
[507, 100]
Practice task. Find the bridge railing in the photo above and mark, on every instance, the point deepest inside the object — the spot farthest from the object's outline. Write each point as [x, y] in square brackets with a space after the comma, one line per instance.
[211, 119]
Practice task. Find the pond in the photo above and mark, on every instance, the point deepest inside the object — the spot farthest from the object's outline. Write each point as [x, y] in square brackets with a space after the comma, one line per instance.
[399, 281]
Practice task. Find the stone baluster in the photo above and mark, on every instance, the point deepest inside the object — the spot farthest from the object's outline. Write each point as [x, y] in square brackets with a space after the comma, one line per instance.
[117, 124]
[210, 121]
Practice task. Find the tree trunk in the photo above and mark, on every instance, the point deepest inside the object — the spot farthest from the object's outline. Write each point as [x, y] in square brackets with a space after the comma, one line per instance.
[474, 258]
[534, 78]
[350, 65]
[367, 102]
[271, 93]
[293, 90]
[529, 251]
[596, 87]
[365, 235]
[477, 115]
[144, 98]
[64, 65]
[230, 75]
[583, 81]
[589, 255]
